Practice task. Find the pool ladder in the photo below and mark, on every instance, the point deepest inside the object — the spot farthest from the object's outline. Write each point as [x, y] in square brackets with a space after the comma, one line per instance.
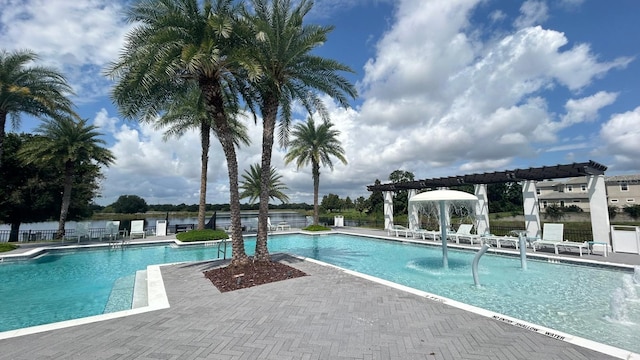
[221, 249]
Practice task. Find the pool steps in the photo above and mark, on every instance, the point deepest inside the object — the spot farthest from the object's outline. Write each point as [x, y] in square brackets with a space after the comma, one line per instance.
[140, 291]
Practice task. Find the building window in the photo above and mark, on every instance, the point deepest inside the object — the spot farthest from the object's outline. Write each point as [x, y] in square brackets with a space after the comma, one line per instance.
[624, 187]
[614, 200]
[537, 191]
[576, 200]
[562, 203]
[569, 188]
[631, 200]
[544, 204]
[583, 187]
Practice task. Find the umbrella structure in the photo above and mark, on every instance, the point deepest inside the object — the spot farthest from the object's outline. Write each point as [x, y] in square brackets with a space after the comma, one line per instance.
[443, 199]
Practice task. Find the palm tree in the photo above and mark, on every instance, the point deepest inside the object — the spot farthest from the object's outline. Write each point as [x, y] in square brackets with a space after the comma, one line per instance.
[282, 46]
[188, 112]
[70, 145]
[315, 146]
[250, 185]
[34, 90]
[177, 43]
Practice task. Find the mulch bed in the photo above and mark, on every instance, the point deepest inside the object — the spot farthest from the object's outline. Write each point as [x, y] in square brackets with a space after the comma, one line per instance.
[230, 278]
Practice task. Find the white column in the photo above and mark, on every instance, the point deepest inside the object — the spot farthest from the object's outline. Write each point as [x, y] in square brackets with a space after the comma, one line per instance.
[388, 209]
[600, 224]
[531, 208]
[482, 209]
[414, 219]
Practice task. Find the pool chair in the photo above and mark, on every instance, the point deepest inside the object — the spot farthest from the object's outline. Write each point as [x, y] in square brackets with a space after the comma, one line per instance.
[137, 229]
[111, 231]
[82, 230]
[397, 229]
[552, 236]
[426, 234]
[464, 233]
[270, 227]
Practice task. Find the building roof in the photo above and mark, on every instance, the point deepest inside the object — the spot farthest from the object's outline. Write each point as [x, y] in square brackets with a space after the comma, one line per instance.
[623, 178]
[497, 177]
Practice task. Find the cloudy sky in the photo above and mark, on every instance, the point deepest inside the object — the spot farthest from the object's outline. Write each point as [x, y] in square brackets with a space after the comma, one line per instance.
[447, 87]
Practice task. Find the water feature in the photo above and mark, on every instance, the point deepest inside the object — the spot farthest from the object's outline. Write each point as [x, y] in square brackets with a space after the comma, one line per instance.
[617, 307]
[636, 275]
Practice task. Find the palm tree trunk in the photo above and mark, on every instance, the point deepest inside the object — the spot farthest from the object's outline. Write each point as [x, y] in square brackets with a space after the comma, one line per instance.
[15, 230]
[315, 172]
[66, 198]
[212, 92]
[205, 136]
[3, 122]
[269, 114]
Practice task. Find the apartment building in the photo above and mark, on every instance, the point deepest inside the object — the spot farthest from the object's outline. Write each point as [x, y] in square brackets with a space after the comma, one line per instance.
[621, 190]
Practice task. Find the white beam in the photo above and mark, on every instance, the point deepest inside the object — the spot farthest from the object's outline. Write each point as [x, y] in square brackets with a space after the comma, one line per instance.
[414, 218]
[388, 209]
[531, 209]
[482, 209]
[600, 224]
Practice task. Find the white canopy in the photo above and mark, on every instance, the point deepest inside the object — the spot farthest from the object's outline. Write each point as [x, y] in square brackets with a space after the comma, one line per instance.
[446, 195]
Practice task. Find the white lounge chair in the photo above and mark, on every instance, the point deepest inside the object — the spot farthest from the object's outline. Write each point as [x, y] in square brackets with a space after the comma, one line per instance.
[498, 241]
[82, 230]
[552, 235]
[464, 232]
[399, 229]
[137, 229]
[111, 231]
[270, 227]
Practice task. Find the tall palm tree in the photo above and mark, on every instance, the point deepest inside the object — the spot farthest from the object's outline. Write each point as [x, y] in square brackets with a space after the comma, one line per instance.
[251, 185]
[34, 90]
[282, 46]
[69, 144]
[182, 42]
[188, 112]
[315, 145]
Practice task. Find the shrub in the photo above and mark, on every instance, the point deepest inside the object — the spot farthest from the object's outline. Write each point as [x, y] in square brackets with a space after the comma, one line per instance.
[202, 235]
[7, 247]
[316, 228]
[633, 211]
[613, 211]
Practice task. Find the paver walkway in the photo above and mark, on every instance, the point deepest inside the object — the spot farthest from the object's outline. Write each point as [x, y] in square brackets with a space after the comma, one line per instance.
[327, 315]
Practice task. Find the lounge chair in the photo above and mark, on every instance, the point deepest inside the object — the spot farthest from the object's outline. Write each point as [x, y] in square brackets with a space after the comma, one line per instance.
[552, 236]
[82, 230]
[270, 227]
[283, 225]
[137, 229]
[464, 232]
[398, 229]
[423, 233]
[111, 231]
[498, 241]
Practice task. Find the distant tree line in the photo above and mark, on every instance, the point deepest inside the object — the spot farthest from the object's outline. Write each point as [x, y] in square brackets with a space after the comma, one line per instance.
[131, 204]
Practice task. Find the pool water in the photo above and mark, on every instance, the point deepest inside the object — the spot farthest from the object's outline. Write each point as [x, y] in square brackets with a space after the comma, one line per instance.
[600, 304]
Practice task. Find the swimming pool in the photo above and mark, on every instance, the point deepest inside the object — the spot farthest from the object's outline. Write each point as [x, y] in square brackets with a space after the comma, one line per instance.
[569, 298]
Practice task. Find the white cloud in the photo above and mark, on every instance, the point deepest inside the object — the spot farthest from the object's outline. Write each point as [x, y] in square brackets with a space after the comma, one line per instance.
[619, 138]
[438, 96]
[78, 37]
[532, 12]
[587, 108]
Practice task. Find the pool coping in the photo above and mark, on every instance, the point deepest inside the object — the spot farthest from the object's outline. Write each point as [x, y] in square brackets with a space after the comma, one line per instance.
[158, 300]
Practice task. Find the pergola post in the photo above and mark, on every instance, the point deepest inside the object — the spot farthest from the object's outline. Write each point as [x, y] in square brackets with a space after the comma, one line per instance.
[482, 209]
[414, 219]
[600, 224]
[531, 208]
[388, 209]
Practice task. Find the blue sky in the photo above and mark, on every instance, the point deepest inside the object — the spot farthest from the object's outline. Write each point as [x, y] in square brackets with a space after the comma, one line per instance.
[447, 87]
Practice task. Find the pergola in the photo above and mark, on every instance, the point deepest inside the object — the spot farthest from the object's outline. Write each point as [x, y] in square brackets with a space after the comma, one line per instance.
[595, 187]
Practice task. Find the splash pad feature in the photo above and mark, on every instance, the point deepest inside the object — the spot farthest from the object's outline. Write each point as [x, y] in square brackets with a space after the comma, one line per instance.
[444, 199]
